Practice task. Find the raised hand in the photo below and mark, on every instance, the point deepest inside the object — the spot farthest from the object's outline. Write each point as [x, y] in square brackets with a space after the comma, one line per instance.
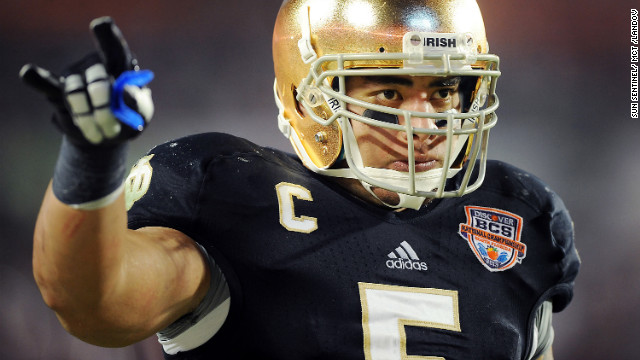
[95, 96]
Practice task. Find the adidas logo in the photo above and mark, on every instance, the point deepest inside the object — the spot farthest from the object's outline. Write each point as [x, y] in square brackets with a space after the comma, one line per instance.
[404, 258]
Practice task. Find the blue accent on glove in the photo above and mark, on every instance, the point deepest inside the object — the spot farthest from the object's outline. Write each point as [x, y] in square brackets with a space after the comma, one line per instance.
[123, 112]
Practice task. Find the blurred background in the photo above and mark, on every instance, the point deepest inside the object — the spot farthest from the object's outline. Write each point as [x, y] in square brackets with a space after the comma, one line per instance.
[564, 116]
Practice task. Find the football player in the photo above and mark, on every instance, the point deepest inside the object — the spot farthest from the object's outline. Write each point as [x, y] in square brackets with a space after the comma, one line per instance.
[389, 236]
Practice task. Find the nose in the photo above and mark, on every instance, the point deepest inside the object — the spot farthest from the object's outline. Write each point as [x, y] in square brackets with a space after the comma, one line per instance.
[418, 104]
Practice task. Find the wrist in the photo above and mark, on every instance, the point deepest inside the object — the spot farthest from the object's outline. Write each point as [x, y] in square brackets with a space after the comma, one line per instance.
[89, 177]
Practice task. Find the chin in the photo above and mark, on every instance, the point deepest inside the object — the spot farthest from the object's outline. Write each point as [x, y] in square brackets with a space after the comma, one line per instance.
[387, 196]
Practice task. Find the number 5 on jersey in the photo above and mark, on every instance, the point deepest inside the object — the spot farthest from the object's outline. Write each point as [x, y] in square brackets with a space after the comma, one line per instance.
[387, 309]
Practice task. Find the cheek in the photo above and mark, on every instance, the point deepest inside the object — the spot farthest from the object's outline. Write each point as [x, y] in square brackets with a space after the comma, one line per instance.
[365, 136]
[371, 135]
[359, 129]
[438, 147]
[376, 145]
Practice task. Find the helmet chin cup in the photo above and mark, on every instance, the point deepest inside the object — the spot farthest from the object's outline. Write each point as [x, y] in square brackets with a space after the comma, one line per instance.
[404, 201]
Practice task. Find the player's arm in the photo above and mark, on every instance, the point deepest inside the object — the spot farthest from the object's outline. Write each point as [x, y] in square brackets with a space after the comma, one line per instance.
[111, 286]
[108, 285]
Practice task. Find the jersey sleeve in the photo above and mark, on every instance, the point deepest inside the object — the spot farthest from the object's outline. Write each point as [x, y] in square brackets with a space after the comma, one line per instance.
[561, 233]
[553, 237]
[167, 186]
[162, 188]
[552, 261]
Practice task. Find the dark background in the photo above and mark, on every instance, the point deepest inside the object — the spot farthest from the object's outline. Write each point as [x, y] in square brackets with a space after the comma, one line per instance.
[564, 116]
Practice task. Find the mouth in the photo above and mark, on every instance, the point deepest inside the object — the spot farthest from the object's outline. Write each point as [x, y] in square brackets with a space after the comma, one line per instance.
[420, 165]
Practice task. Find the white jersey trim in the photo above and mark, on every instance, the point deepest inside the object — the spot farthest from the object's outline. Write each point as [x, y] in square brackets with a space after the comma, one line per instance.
[200, 332]
[101, 202]
[543, 333]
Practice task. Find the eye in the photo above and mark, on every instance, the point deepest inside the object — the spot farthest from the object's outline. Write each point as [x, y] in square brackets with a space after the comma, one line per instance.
[388, 95]
[443, 94]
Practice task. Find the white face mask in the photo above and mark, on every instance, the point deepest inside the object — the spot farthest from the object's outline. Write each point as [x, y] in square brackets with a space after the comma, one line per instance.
[412, 187]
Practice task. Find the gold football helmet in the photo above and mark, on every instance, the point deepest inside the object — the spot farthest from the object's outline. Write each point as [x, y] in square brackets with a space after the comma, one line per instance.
[318, 43]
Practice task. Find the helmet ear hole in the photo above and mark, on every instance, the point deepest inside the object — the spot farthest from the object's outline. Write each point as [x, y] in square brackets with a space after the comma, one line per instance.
[464, 153]
[468, 88]
[335, 84]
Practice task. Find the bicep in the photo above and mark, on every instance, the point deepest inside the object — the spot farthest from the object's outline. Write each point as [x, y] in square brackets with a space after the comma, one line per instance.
[164, 273]
[160, 276]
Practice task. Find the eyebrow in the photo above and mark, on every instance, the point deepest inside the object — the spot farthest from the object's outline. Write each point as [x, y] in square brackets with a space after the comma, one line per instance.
[397, 80]
[448, 81]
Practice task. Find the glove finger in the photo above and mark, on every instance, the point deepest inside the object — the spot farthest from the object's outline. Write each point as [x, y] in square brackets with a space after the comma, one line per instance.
[140, 100]
[88, 127]
[42, 80]
[81, 108]
[74, 88]
[96, 73]
[99, 90]
[113, 47]
[107, 123]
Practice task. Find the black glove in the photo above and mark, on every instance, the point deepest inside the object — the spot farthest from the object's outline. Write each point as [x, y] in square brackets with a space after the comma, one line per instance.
[99, 94]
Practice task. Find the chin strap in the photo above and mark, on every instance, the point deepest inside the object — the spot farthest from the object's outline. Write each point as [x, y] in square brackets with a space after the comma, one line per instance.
[406, 201]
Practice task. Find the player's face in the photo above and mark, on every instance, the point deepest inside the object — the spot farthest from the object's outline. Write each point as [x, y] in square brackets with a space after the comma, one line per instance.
[386, 148]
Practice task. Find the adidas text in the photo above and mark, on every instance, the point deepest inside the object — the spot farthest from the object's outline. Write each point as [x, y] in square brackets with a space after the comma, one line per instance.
[406, 264]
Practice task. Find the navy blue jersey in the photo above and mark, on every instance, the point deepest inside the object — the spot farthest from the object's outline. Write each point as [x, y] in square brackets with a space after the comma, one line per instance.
[316, 273]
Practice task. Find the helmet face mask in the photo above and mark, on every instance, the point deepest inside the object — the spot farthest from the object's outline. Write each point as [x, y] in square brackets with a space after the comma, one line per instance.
[319, 45]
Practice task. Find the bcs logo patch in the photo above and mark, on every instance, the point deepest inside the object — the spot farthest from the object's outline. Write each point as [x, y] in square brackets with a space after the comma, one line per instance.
[494, 236]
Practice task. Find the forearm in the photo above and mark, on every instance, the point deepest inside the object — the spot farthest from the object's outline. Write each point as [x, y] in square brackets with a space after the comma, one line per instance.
[77, 252]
